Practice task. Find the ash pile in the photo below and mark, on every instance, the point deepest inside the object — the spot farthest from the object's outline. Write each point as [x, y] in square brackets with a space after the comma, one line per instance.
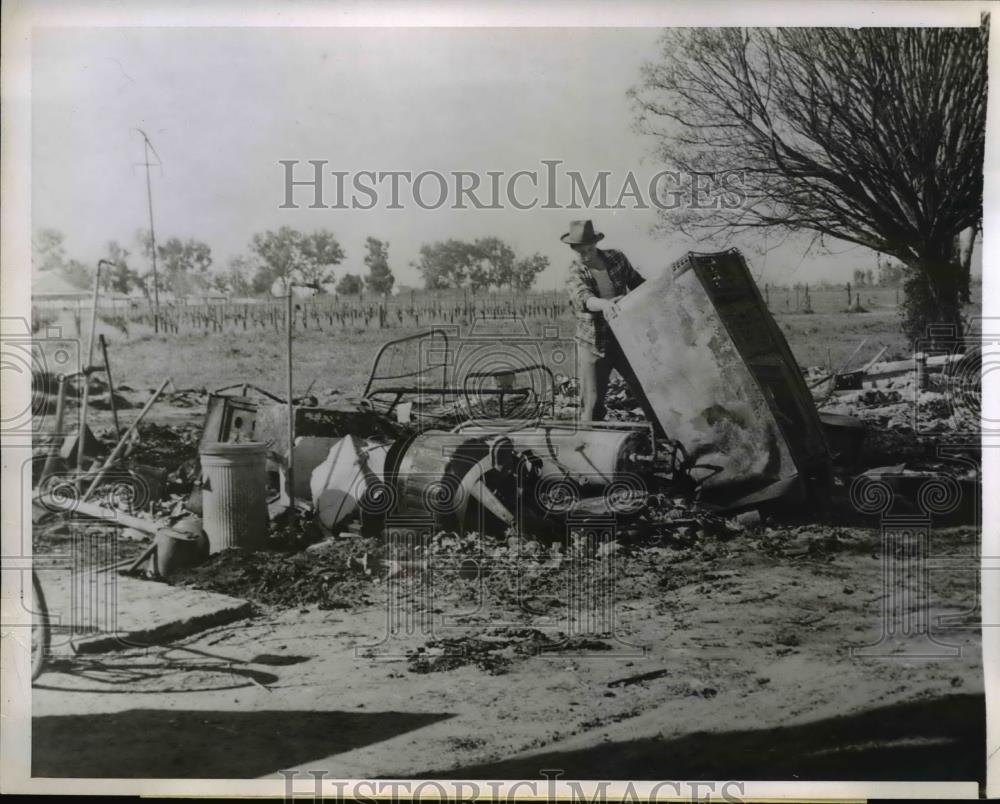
[290, 501]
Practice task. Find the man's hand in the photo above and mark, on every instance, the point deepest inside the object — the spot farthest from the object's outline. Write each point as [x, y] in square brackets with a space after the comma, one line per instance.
[598, 305]
[604, 306]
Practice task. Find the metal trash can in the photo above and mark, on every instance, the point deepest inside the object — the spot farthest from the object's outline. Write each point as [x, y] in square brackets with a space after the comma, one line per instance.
[234, 495]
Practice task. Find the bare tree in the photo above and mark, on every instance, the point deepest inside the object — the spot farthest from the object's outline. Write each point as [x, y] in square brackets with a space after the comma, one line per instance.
[872, 136]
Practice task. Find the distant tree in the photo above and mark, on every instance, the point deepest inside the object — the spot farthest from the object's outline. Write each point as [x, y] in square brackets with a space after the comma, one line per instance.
[859, 278]
[479, 265]
[118, 277]
[77, 274]
[235, 279]
[319, 252]
[874, 136]
[890, 274]
[219, 283]
[350, 285]
[380, 278]
[495, 263]
[144, 246]
[526, 271]
[479, 276]
[446, 264]
[185, 265]
[144, 278]
[279, 253]
[48, 251]
[289, 255]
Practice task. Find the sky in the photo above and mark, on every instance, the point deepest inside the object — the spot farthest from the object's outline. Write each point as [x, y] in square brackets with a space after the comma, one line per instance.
[222, 106]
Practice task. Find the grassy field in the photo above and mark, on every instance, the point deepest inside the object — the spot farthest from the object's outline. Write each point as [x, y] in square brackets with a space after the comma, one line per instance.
[337, 357]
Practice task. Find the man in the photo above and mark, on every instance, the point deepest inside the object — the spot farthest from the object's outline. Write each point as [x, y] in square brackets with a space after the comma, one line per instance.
[597, 280]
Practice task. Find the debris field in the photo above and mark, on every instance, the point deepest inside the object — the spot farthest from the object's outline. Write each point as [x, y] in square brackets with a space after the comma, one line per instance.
[472, 498]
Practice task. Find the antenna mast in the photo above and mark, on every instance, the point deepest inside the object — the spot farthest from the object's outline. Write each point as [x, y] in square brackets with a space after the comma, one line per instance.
[147, 147]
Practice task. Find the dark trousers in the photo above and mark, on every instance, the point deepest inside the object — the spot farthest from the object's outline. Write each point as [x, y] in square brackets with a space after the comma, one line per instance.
[594, 372]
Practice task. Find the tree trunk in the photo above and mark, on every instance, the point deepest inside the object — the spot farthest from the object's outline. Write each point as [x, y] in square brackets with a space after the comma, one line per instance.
[935, 293]
[962, 247]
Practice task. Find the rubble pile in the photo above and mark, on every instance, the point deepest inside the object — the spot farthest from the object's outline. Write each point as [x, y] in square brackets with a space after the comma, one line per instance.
[902, 405]
[330, 579]
[500, 488]
[907, 418]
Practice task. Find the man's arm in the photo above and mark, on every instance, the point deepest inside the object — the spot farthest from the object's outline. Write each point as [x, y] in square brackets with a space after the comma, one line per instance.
[632, 277]
[582, 295]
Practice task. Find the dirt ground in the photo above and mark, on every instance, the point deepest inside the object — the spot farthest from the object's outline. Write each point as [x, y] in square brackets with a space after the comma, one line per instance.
[728, 653]
[712, 651]
[727, 659]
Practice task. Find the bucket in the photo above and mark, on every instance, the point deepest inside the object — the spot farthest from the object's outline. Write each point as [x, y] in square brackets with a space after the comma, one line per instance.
[179, 547]
[234, 495]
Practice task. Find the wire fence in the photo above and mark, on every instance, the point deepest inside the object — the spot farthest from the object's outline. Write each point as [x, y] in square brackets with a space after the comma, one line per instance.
[407, 309]
[416, 309]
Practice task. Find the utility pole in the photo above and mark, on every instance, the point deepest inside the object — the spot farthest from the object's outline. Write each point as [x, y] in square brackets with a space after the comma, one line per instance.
[289, 332]
[147, 146]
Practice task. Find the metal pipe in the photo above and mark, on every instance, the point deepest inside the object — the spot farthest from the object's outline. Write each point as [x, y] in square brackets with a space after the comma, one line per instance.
[245, 387]
[289, 329]
[152, 232]
[93, 315]
[81, 439]
[111, 386]
[81, 435]
[290, 474]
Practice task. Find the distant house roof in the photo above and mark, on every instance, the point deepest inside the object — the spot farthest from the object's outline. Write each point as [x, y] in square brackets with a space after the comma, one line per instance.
[49, 285]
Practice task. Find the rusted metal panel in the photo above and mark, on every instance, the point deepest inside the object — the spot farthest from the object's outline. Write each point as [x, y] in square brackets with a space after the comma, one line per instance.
[718, 375]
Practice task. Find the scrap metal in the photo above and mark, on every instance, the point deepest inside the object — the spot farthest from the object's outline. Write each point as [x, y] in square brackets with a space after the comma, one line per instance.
[718, 376]
[718, 383]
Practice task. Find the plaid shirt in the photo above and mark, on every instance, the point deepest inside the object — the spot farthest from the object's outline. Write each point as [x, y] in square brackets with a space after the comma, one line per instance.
[591, 328]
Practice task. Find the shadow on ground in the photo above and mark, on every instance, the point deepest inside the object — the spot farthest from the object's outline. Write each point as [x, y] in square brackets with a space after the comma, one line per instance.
[941, 739]
[184, 744]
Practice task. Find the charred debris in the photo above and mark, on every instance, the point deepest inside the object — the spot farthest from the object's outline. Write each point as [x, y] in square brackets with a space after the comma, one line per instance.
[478, 438]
